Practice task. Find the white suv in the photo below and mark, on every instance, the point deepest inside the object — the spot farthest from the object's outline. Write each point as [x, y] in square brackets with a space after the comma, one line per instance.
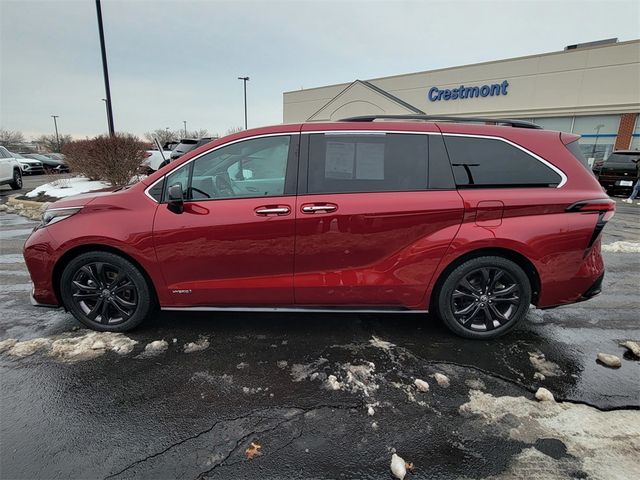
[10, 171]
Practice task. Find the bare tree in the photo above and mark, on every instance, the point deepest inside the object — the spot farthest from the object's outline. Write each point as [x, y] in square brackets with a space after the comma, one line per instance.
[163, 135]
[203, 132]
[10, 139]
[234, 130]
[50, 143]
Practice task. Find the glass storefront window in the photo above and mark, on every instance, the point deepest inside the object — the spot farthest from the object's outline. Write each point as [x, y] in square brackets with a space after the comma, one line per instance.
[635, 139]
[598, 135]
[561, 124]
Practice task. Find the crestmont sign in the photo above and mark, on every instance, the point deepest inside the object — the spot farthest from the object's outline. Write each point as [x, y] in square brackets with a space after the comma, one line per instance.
[490, 90]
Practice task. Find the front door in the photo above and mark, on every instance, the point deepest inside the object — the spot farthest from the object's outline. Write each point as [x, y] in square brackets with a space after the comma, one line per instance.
[234, 243]
[370, 230]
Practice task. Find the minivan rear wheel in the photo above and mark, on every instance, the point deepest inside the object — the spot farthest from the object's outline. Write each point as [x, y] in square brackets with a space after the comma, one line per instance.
[105, 292]
[484, 297]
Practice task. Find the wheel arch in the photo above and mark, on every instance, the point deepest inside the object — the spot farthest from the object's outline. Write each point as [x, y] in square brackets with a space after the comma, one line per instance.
[516, 257]
[72, 253]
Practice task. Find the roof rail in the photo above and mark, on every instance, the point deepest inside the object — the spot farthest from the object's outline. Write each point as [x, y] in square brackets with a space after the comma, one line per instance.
[497, 121]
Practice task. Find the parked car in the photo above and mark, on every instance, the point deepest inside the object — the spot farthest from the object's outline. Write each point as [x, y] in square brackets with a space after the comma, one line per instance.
[472, 222]
[186, 145]
[50, 165]
[618, 173]
[10, 170]
[27, 165]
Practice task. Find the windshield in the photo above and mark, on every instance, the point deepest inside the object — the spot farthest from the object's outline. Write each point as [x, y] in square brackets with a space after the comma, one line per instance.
[627, 158]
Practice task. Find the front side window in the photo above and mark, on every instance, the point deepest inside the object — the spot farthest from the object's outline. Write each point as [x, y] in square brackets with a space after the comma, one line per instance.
[487, 162]
[250, 168]
[377, 162]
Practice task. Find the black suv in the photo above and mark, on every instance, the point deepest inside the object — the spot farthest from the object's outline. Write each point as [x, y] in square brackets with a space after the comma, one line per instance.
[618, 173]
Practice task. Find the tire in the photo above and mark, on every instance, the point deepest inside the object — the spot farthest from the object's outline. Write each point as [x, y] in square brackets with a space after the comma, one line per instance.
[16, 184]
[484, 297]
[106, 292]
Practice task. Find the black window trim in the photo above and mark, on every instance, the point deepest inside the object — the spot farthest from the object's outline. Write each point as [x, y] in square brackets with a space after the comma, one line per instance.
[290, 175]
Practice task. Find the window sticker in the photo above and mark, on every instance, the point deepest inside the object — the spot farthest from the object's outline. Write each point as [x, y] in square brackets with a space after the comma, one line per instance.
[370, 161]
[339, 160]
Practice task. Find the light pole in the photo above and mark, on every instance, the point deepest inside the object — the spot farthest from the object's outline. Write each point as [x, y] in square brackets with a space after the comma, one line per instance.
[106, 106]
[595, 144]
[245, 80]
[185, 128]
[55, 124]
[105, 70]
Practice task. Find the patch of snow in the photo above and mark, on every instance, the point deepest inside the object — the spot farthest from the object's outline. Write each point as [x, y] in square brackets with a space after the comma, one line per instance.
[282, 364]
[538, 376]
[421, 385]
[603, 444]
[242, 365]
[398, 467]
[67, 187]
[544, 366]
[301, 371]
[370, 411]
[332, 383]
[7, 344]
[475, 384]
[154, 348]
[374, 425]
[633, 347]
[544, 395]
[74, 348]
[622, 247]
[609, 360]
[382, 344]
[201, 344]
[441, 379]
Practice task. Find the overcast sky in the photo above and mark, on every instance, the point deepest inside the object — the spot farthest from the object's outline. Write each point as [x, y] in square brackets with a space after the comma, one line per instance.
[175, 60]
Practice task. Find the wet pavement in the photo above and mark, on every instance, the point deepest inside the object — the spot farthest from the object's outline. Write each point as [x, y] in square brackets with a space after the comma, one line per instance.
[304, 386]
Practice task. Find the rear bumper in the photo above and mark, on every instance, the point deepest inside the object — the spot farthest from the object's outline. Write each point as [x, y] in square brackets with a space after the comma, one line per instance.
[593, 291]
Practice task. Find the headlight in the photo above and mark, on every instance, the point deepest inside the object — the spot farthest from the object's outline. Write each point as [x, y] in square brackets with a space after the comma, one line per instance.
[54, 215]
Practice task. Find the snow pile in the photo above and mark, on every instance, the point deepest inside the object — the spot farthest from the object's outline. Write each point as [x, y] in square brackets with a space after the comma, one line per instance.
[67, 187]
[382, 344]
[300, 372]
[441, 379]
[622, 247]
[69, 348]
[602, 444]
[421, 385]
[544, 395]
[201, 344]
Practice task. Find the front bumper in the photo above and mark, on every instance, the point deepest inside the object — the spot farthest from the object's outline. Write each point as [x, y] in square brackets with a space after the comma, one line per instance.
[35, 303]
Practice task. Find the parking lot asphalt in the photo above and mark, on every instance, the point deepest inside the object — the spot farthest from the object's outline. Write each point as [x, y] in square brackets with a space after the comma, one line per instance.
[323, 396]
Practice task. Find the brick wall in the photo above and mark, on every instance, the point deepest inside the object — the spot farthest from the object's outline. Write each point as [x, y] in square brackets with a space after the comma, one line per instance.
[627, 123]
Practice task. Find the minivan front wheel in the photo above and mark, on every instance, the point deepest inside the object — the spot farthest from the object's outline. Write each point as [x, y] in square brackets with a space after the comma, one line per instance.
[484, 297]
[105, 292]
[16, 183]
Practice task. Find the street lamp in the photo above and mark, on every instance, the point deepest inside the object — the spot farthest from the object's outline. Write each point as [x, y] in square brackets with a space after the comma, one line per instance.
[55, 124]
[245, 80]
[105, 70]
[106, 106]
[595, 144]
[185, 128]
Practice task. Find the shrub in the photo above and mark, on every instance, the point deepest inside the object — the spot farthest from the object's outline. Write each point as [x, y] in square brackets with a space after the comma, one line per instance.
[114, 159]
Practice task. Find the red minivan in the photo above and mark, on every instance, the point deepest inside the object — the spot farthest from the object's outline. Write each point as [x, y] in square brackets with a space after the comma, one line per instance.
[472, 219]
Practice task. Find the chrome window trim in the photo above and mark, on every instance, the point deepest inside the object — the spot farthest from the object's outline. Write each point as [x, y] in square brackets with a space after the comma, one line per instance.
[563, 177]
[279, 134]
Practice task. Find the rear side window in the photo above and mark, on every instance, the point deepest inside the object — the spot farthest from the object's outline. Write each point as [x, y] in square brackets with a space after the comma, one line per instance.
[576, 151]
[379, 162]
[487, 162]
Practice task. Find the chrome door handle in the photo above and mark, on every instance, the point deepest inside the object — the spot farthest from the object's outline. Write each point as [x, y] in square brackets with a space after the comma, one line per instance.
[273, 211]
[319, 208]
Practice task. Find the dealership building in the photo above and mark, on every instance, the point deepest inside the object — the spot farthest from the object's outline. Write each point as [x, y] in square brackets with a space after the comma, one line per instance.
[590, 89]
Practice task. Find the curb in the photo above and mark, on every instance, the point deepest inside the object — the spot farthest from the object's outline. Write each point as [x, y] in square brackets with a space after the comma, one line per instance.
[13, 200]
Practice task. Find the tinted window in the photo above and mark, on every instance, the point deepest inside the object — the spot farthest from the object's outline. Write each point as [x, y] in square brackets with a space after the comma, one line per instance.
[479, 162]
[341, 163]
[251, 168]
[623, 158]
[574, 148]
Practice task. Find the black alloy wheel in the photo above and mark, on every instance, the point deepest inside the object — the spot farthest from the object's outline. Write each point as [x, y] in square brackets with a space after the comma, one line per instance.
[484, 297]
[105, 292]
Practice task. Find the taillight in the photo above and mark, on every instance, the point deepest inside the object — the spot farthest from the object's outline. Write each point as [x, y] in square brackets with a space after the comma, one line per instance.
[604, 207]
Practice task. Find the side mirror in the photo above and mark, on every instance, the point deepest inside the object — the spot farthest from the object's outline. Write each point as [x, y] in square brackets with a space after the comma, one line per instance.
[176, 199]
